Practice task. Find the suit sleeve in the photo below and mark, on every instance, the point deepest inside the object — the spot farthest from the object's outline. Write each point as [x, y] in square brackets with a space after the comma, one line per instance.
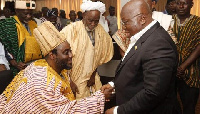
[158, 64]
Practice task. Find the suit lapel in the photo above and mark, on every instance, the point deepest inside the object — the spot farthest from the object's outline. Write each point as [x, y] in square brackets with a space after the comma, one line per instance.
[137, 46]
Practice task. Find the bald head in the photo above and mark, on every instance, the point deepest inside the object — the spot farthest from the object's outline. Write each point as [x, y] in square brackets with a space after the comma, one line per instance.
[137, 6]
[136, 15]
[149, 2]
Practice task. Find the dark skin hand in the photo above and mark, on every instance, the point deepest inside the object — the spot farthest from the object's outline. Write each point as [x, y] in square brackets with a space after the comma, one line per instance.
[110, 111]
[18, 65]
[74, 88]
[91, 81]
[2, 67]
[192, 58]
[107, 91]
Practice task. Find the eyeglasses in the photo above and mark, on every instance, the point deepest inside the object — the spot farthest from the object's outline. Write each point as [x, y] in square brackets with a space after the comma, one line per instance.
[127, 21]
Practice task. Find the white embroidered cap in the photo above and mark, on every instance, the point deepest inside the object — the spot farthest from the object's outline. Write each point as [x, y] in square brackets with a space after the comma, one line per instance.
[25, 4]
[88, 5]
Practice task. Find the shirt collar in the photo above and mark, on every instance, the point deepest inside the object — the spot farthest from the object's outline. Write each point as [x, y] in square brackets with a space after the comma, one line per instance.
[139, 34]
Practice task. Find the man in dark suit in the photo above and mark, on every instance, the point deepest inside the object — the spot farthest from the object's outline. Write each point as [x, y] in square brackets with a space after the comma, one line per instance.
[145, 79]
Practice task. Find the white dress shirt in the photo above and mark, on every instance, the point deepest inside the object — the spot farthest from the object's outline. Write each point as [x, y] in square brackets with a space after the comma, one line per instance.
[3, 59]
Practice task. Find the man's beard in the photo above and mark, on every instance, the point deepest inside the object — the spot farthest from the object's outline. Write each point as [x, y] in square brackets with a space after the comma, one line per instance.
[63, 65]
[87, 28]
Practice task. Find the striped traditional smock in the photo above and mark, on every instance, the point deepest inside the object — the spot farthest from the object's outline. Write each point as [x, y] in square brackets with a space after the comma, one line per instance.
[39, 89]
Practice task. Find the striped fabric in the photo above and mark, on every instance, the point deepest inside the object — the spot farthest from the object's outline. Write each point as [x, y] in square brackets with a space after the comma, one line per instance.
[188, 36]
[34, 96]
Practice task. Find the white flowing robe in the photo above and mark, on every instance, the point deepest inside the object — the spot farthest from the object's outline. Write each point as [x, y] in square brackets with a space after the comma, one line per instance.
[86, 57]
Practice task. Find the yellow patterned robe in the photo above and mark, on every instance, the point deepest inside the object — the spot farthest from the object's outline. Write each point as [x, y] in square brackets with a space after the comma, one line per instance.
[86, 57]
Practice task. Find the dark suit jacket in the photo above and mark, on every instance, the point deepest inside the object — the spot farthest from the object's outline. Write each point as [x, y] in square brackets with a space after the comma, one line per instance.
[145, 79]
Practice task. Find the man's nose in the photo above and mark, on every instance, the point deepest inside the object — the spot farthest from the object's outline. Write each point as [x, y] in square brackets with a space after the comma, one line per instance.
[123, 27]
[93, 23]
[70, 54]
[29, 15]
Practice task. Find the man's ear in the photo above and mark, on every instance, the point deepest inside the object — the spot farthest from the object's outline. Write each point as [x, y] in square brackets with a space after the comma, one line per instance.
[143, 20]
[52, 56]
[84, 15]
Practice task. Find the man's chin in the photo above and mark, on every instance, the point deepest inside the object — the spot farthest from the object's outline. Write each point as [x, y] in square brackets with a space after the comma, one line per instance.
[68, 67]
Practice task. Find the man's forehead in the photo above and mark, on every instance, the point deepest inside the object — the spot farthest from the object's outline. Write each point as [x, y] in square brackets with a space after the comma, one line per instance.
[92, 12]
[65, 45]
[184, 1]
[25, 10]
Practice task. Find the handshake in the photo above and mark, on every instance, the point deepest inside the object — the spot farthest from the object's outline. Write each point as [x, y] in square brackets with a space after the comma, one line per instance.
[108, 91]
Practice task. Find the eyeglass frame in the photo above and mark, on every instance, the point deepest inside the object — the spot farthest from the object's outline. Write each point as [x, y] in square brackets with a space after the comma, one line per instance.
[126, 22]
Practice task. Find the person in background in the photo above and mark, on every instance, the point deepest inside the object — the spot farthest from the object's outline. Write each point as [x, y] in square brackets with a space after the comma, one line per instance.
[36, 17]
[5, 72]
[170, 7]
[18, 36]
[154, 2]
[91, 47]
[63, 18]
[80, 15]
[187, 30]
[145, 81]
[103, 21]
[112, 20]
[44, 14]
[44, 86]
[56, 13]
[6, 13]
[52, 17]
[4, 64]
[72, 16]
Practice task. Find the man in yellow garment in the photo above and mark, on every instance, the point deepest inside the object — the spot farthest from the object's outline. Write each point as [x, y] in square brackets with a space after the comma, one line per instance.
[43, 87]
[91, 47]
[18, 36]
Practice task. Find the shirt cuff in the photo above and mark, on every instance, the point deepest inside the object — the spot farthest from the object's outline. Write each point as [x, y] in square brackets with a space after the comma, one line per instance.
[115, 110]
[111, 84]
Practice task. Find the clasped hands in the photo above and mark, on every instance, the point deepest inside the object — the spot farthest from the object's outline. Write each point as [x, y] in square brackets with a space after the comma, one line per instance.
[108, 91]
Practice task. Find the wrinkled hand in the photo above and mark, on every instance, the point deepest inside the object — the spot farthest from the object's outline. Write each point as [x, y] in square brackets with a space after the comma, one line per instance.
[180, 72]
[110, 111]
[74, 88]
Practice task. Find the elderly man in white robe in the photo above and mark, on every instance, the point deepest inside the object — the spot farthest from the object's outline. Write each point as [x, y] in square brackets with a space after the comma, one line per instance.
[91, 46]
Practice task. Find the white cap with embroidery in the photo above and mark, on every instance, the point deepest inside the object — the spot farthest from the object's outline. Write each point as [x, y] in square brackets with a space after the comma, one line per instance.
[25, 4]
[88, 5]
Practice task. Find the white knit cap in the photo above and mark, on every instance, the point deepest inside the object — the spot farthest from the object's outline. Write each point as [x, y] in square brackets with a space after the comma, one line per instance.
[25, 4]
[88, 5]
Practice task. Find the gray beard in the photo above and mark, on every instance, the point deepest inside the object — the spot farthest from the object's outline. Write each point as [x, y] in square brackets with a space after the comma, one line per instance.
[88, 29]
